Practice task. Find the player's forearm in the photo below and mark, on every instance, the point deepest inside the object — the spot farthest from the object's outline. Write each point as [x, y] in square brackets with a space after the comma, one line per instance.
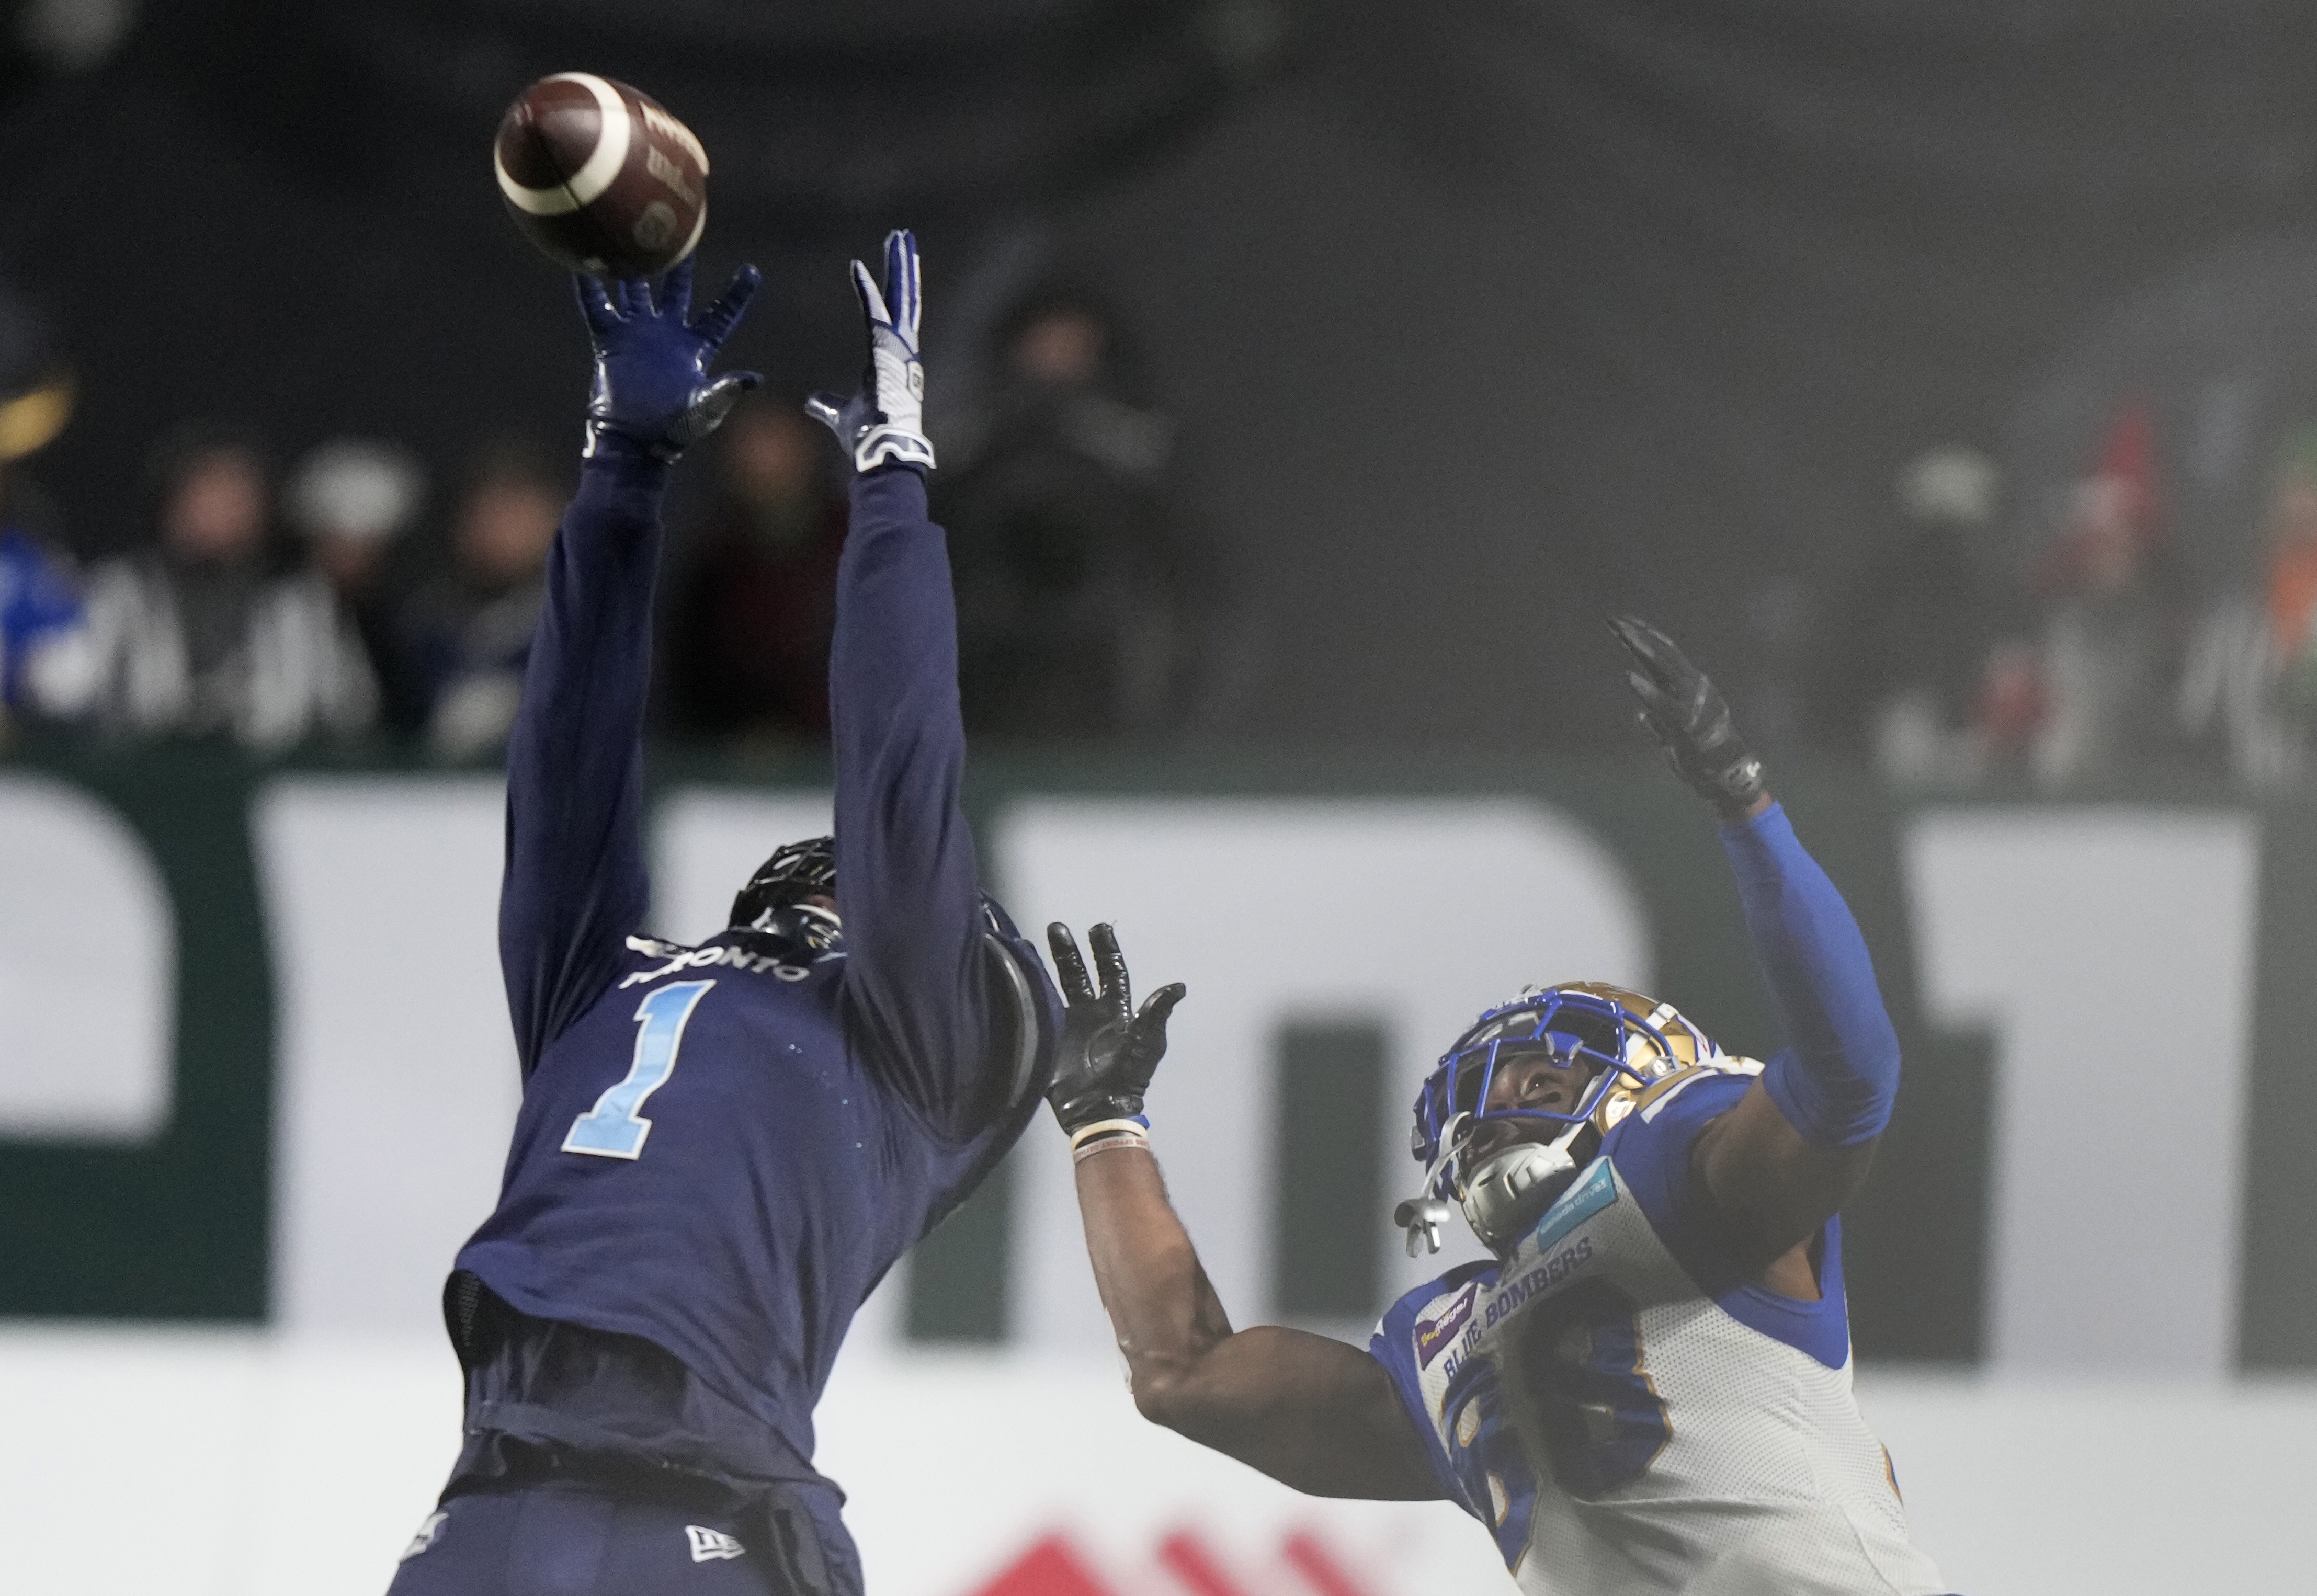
[906, 872]
[1310, 1412]
[574, 757]
[1162, 1308]
[1837, 1084]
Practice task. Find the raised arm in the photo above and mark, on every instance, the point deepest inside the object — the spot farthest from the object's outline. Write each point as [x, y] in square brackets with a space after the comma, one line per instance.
[1310, 1412]
[575, 884]
[952, 1016]
[1783, 1161]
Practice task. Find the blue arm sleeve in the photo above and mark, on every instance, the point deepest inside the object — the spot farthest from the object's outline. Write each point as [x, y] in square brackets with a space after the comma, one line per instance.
[575, 883]
[920, 977]
[1835, 1082]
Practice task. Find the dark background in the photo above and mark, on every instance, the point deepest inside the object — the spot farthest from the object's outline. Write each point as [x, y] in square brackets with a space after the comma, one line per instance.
[1479, 318]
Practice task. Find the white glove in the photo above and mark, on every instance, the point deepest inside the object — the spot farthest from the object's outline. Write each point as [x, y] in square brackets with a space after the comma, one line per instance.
[885, 420]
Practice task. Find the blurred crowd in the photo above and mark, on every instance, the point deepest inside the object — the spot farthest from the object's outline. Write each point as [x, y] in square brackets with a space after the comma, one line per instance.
[352, 594]
[1970, 648]
[349, 594]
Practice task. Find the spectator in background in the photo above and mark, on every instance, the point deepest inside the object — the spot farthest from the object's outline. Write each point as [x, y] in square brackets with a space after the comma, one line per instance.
[1071, 587]
[40, 595]
[468, 633]
[203, 633]
[2250, 686]
[751, 623]
[350, 500]
[2116, 612]
[1903, 675]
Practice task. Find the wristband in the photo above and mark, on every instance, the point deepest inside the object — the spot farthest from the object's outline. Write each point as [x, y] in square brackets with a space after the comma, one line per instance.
[1103, 1135]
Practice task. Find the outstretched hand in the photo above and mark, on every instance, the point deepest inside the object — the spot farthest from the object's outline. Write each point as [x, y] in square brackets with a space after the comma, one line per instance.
[1109, 1049]
[652, 389]
[1685, 712]
[884, 421]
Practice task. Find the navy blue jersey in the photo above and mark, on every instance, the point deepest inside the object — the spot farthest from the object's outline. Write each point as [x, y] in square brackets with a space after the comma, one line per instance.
[721, 1149]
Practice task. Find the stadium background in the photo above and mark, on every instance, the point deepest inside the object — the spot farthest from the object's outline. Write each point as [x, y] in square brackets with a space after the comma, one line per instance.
[1480, 318]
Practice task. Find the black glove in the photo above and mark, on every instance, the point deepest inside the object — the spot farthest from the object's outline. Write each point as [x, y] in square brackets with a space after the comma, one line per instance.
[1109, 1052]
[1682, 710]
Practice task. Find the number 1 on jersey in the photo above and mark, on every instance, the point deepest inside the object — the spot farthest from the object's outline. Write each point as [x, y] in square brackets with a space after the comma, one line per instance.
[613, 1128]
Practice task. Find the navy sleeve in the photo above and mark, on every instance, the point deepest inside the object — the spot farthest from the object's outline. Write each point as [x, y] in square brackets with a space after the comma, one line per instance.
[941, 1016]
[1837, 1080]
[576, 884]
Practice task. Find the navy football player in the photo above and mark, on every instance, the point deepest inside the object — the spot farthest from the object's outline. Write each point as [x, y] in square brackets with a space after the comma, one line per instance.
[720, 1148]
[1648, 1390]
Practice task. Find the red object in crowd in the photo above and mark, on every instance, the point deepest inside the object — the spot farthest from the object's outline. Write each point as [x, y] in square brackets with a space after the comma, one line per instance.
[2114, 517]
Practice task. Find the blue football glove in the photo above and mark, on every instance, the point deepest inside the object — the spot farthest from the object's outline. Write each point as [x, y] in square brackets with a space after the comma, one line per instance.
[651, 392]
[885, 420]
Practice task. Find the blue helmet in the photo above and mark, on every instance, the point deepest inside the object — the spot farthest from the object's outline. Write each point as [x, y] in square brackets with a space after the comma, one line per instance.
[1621, 1040]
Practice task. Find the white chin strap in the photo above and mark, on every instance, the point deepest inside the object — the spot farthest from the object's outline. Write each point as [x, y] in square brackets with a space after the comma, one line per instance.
[1501, 1199]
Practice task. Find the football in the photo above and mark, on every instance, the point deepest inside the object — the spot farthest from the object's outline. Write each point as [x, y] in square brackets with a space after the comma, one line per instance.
[600, 176]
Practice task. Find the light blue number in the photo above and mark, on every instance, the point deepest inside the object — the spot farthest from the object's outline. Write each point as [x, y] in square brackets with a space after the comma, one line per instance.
[613, 1128]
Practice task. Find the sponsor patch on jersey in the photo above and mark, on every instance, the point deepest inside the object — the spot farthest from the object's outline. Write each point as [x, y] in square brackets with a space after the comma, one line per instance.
[1435, 1333]
[1596, 1189]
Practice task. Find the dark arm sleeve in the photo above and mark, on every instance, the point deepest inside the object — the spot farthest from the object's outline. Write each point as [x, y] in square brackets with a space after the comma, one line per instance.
[940, 1017]
[576, 884]
[1835, 1084]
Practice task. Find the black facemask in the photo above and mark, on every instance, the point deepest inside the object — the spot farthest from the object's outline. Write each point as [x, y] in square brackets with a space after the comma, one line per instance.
[796, 872]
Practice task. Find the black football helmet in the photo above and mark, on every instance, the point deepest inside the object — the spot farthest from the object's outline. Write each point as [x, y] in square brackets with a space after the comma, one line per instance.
[793, 873]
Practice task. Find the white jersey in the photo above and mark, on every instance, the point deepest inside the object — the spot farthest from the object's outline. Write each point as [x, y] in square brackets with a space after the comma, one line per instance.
[1627, 1416]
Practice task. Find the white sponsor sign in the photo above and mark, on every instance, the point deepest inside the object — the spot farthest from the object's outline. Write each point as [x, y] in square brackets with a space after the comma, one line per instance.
[88, 952]
[395, 1064]
[2111, 952]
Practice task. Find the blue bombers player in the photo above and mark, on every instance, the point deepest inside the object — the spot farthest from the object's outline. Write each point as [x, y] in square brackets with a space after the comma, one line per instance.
[1648, 1389]
[720, 1148]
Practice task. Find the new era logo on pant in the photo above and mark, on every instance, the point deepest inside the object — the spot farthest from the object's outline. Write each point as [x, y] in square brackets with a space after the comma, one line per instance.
[709, 1545]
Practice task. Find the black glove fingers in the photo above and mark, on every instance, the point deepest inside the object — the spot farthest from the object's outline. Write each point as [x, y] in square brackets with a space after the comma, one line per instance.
[1117, 993]
[1077, 988]
[716, 323]
[1658, 710]
[1152, 1015]
[1705, 710]
[1658, 654]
